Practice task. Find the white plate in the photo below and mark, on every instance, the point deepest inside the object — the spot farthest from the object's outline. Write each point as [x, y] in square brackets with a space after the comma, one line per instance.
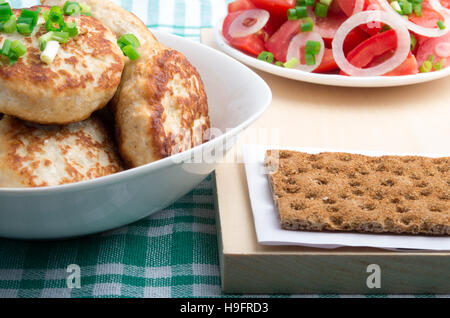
[236, 96]
[325, 79]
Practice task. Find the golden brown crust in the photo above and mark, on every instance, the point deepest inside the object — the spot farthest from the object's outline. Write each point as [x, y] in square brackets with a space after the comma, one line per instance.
[83, 77]
[164, 102]
[36, 156]
[348, 192]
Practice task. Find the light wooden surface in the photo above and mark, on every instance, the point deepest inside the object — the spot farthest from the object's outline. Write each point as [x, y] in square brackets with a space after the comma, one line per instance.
[403, 119]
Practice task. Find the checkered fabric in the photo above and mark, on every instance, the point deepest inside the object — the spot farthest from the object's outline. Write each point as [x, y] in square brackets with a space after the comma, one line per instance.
[171, 254]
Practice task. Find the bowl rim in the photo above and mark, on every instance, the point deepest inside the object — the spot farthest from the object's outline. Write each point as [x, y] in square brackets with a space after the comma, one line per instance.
[162, 163]
[324, 79]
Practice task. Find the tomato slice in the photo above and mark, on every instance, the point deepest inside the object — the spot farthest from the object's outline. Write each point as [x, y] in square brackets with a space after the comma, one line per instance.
[374, 46]
[428, 19]
[239, 5]
[328, 26]
[252, 44]
[273, 25]
[278, 43]
[353, 39]
[428, 48]
[276, 7]
[378, 48]
[348, 6]
[408, 67]
[328, 63]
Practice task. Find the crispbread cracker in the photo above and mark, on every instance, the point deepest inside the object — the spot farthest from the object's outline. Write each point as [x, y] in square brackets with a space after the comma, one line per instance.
[350, 192]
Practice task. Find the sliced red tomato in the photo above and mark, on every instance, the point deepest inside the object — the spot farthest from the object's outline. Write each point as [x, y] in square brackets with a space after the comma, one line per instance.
[273, 25]
[374, 46]
[328, 63]
[240, 5]
[328, 26]
[276, 7]
[378, 48]
[278, 43]
[428, 48]
[353, 39]
[408, 67]
[252, 44]
[348, 6]
[428, 19]
[446, 3]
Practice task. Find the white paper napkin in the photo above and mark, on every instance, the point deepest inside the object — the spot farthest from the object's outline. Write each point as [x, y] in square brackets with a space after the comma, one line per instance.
[267, 224]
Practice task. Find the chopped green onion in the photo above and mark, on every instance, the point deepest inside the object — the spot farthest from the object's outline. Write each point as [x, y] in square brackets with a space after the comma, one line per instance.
[301, 12]
[291, 63]
[426, 67]
[326, 2]
[310, 59]
[61, 37]
[413, 42]
[10, 26]
[418, 9]
[71, 28]
[71, 8]
[279, 63]
[44, 39]
[55, 19]
[321, 10]
[312, 47]
[266, 56]
[292, 14]
[407, 7]
[24, 28]
[6, 47]
[441, 25]
[85, 9]
[128, 39]
[396, 6]
[131, 52]
[18, 48]
[5, 11]
[306, 27]
[310, 3]
[439, 65]
[431, 58]
[50, 52]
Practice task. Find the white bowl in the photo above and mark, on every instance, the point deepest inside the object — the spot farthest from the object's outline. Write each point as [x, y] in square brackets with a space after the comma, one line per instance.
[237, 97]
[325, 79]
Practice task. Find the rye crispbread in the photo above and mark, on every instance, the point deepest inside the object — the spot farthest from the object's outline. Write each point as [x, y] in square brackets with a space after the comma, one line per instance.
[349, 192]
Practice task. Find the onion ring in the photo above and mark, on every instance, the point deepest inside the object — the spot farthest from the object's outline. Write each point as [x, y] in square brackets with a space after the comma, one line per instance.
[428, 32]
[400, 55]
[256, 20]
[298, 42]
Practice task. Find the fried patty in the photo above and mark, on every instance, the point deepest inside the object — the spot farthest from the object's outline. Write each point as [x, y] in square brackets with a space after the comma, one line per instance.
[33, 155]
[161, 106]
[83, 77]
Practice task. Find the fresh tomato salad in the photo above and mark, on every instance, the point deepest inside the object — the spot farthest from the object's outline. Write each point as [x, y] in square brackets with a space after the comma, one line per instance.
[347, 37]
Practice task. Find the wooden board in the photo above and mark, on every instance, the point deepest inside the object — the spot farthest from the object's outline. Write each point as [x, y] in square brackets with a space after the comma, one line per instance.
[403, 119]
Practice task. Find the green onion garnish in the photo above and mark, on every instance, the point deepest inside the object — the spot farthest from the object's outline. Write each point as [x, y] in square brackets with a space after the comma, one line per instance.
[10, 26]
[310, 59]
[413, 42]
[266, 57]
[321, 10]
[439, 65]
[55, 19]
[291, 63]
[27, 21]
[301, 12]
[13, 50]
[312, 47]
[71, 28]
[6, 47]
[5, 11]
[131, 52]
[306, 27]
[85, 9]
[426, 67]
[441, 25]
[71, 8]
[129, 43]
[18, 48]
[292, 14]
[44, 39]
[128, 39]
[279, 63]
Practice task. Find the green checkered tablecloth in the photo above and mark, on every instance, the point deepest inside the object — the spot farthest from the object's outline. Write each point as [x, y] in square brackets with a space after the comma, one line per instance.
[171, 254]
